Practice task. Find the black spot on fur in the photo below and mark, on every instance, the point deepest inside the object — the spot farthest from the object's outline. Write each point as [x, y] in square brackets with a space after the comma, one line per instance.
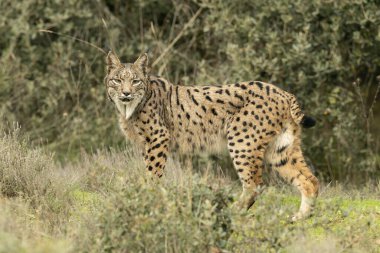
[176, 93]
[162, 84]
[156, 146]
[260, 85]
[232, 104]
[267, 90]
[239, 97]
[195, 101]
[280, 150]
[283, 162]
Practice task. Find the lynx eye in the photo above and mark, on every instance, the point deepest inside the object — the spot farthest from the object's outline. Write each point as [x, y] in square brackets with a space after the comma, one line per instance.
[136, 82]
[116, 81]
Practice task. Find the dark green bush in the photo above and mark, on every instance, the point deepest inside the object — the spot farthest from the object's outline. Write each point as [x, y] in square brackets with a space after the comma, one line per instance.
[52, 84]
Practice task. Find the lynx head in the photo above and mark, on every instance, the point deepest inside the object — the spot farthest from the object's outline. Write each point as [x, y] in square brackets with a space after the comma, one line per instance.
[127, 83]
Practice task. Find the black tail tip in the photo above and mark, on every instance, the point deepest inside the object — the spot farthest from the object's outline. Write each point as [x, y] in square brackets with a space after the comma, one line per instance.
[307, 122]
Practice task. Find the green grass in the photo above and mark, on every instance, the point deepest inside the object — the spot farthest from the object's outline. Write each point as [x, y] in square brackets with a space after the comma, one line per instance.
[339, 224]
[336, 216]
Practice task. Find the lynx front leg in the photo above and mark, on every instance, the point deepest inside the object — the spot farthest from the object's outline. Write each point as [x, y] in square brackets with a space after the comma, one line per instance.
[156, 152]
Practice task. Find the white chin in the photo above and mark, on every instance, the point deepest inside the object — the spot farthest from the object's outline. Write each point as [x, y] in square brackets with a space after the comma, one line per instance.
[130, 108]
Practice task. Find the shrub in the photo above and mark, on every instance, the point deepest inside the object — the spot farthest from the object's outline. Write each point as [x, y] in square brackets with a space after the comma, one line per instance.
[52, 84]
[31, 173]
[165, 218]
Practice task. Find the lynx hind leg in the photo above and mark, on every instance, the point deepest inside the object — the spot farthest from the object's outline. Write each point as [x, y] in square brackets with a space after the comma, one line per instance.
[284, 155]
[249, 166]
[246, 144]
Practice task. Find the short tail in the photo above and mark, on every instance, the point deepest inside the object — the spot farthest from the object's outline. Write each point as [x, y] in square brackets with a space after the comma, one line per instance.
[298, 116]
[307, 121]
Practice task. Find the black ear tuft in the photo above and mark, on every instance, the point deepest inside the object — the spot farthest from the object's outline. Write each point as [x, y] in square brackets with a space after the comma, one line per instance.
[307, 122]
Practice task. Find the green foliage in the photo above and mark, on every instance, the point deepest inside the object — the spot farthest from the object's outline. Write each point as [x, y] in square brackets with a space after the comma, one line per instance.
[53, 85]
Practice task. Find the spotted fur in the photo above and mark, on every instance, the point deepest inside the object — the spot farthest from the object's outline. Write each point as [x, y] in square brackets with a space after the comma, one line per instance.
[259, 122]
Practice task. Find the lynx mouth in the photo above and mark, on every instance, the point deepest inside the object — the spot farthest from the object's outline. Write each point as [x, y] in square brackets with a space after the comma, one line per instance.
[126, 99]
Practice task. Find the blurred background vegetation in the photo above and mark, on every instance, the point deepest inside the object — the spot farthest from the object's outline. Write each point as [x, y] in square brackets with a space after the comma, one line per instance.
[325, 52]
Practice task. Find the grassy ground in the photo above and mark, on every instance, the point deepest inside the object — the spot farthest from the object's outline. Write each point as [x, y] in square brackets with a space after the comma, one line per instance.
[103, 203]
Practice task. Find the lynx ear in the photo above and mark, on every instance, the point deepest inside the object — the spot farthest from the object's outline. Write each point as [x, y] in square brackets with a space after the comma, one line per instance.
[112, 61]
[142, 63]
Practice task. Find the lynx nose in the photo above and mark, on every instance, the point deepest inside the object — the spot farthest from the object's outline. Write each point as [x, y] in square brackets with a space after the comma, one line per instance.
[126, 93]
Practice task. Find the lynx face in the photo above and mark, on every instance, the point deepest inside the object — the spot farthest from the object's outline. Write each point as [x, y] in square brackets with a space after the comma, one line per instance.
[126, 83]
